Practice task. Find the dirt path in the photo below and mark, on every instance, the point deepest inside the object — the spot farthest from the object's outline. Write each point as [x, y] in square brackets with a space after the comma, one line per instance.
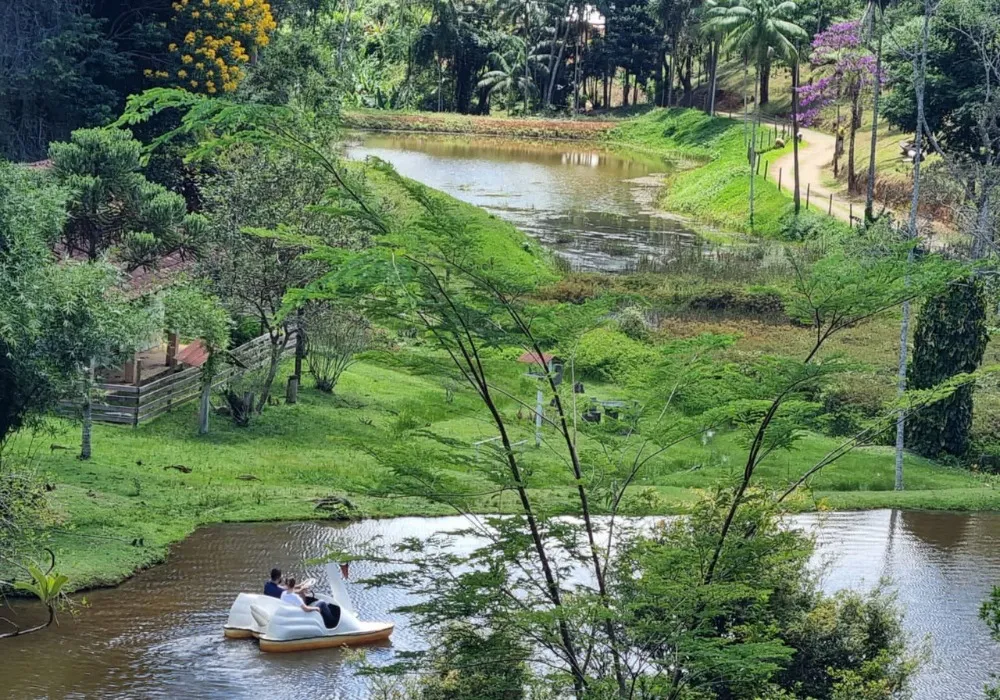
[815, 154]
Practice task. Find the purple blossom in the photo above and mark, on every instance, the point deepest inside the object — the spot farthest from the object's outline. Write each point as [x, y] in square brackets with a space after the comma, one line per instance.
[850, 69]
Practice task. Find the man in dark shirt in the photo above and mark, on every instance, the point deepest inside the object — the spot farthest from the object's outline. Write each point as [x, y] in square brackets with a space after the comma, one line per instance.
[273, 587]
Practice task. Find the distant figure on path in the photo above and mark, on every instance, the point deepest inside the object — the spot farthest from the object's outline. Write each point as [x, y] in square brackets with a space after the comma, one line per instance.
[273, 587]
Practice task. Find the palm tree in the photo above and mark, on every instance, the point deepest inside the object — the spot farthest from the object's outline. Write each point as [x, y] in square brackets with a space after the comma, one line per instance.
[511, 74]
[761, 30]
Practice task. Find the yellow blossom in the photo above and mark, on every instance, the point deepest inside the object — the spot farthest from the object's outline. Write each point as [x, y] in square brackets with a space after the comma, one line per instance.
[172, 47]
[186, 58]
[148, 73]
[182, 73]
[194, 83]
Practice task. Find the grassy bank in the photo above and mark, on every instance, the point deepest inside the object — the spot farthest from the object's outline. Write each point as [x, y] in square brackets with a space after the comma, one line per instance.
[449, 123]
[715, 189]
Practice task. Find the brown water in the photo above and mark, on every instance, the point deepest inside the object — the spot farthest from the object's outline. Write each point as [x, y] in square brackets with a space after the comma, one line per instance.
[591, 205]
[159, 635]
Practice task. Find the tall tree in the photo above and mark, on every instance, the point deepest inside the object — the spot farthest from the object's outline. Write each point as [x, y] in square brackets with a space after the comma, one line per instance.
[761, 30]
[950, 339]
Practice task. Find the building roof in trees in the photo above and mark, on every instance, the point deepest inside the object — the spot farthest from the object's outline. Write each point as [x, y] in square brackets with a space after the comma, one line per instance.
[533, 358]
[194, 355]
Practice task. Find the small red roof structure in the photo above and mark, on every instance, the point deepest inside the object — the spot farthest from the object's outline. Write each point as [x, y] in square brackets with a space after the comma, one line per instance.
[532, 358]
[194, 354]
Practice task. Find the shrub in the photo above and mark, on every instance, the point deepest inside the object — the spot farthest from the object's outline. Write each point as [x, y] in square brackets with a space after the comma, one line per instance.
[334, 340]
[609, 354]
[808, 225]
[632, 322]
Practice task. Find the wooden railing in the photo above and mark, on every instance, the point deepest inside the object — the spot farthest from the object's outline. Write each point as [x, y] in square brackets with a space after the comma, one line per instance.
[132, 405]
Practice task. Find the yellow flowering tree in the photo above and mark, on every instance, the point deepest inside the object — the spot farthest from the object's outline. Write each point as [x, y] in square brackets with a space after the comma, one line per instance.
[212, 41]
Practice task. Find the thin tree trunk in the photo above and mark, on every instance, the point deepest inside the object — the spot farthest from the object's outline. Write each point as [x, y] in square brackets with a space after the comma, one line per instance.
[625, 91]
[712, 81]
[753, 150]
[278, 344]
[870, 191]
[918, 87]
[88, 421]
[344, 32]
[746, 117]
[554, 69]
[527, 35]
[203, 407]
[795, 134]
[852, 178]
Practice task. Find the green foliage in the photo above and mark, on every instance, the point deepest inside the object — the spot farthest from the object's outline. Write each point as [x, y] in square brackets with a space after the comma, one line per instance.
[611, 355]
[113, 208]
[951, 338]
[60, 69]
[40, 361]
[469, 663]
[192, 313]
[45, 586]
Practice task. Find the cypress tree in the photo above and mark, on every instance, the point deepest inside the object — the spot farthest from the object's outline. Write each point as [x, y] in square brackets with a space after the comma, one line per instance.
[951, 338]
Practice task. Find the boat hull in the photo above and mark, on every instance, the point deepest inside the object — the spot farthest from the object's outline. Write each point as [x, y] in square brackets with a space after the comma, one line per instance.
[326, 641]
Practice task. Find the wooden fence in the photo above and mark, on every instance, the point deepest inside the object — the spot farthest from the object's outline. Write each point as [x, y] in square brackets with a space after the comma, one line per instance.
[132, 405]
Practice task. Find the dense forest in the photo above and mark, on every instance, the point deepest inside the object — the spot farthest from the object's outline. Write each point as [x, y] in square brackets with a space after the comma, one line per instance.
[178, 209]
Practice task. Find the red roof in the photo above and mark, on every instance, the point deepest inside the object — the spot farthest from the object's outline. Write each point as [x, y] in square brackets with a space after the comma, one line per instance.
[195, 354]
[532, 358]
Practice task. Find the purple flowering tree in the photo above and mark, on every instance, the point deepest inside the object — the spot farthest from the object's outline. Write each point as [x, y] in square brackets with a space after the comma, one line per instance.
[848, 72]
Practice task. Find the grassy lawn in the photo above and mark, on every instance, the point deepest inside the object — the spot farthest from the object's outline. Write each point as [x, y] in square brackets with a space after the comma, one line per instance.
[121, 510]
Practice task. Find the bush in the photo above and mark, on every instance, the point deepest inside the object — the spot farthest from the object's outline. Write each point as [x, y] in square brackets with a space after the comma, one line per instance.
[850, 405]
[632, 322]
[807, 226]
[609, 354]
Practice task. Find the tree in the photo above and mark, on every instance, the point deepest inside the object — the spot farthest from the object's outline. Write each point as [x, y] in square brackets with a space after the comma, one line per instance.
[212, 42]
[959, 117]
[196, 315]
[760, 30]
[40, 362]
[113, 208]
[950, 339]
[852, 73]
[633, 44]
[58, 71]
[255, 194]
[333, 341]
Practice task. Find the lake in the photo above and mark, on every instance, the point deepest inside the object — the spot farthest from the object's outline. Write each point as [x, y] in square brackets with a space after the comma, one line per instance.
[159, 635]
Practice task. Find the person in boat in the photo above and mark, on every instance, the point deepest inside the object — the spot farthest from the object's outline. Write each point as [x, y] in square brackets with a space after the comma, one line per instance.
[273, 587]
[293, 596]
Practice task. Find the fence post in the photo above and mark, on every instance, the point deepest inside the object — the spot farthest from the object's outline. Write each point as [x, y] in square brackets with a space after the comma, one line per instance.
[808, 187]
[765, 171]
[779, 179]
[829, 209]
[850, 217]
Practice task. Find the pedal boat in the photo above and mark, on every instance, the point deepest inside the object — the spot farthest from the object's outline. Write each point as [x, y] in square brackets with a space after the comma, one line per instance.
[281, 627]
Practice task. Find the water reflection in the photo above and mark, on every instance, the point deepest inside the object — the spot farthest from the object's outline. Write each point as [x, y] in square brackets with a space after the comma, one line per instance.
[160, 634]
[595, 207]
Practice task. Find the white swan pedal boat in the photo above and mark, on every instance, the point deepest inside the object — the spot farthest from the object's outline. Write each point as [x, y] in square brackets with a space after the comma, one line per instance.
[283, 627]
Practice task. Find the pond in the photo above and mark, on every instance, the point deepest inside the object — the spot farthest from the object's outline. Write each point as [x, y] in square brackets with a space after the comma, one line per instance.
[593, 206]
[159, 635]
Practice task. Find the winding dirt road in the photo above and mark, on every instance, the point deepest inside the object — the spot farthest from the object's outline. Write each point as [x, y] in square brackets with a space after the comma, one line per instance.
[815, 154]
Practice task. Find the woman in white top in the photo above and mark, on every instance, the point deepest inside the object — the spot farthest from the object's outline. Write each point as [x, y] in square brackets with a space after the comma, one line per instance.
[291, 597]
[330, 613]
